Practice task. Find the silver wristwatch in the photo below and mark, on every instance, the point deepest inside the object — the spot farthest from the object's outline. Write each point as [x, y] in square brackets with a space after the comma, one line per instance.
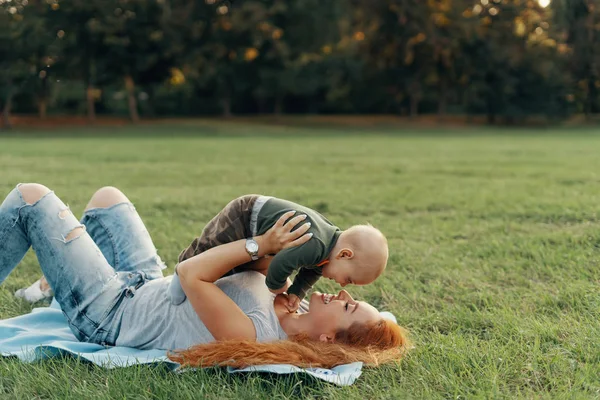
[252, 248]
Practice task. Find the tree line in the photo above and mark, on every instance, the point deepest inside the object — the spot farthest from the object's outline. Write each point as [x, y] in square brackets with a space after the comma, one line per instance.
[504, 59]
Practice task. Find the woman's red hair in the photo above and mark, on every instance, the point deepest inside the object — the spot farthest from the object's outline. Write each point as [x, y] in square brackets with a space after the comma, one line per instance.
[373, 344]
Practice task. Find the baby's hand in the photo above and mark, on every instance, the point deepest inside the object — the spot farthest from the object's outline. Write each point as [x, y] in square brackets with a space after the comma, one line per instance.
[293, 303]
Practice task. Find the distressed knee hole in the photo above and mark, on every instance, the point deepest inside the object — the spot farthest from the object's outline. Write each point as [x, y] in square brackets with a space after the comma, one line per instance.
[65, 213]
[74, 234]
[106, 197]
[32, 192]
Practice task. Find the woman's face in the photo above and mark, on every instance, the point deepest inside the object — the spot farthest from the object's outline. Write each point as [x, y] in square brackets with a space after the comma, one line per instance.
[332, 313]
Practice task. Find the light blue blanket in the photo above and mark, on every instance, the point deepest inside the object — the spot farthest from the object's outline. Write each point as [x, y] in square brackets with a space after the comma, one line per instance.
[44, 333]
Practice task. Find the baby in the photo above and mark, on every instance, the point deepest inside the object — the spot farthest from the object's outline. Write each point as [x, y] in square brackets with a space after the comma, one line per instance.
[355, 256]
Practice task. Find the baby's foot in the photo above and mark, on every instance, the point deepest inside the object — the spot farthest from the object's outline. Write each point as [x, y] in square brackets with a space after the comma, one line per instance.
[35, 293]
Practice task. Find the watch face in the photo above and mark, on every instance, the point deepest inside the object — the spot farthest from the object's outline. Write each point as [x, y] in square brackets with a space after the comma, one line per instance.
[252, 247]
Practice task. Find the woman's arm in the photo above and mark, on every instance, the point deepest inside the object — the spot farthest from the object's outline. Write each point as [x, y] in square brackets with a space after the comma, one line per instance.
[221, 316]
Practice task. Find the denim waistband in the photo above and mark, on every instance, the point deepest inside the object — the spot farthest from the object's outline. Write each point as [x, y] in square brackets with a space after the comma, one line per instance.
[258, 205]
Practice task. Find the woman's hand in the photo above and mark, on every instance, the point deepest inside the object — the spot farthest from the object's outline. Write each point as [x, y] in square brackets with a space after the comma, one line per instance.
[281, 236]
[291, 302]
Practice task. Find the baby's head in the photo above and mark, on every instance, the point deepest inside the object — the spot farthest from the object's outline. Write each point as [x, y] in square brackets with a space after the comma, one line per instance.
[359, 256]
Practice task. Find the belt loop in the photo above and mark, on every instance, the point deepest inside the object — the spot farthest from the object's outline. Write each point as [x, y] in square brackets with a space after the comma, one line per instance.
[130, 292]
[140, 283]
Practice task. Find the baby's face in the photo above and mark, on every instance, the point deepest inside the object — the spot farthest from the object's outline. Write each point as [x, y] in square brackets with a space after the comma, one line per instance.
[346, 272]
[338, 272]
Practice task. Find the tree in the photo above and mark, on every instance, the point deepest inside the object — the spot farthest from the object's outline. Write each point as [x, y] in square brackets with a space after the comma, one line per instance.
[447, 31]
[510, 47]
[78, 24]
[579, 21]
[42, 47]
[11, 64]
[138, 49]
[507, 59]
[298, 40]
[396, 46]
[224, 46]
[26, 52]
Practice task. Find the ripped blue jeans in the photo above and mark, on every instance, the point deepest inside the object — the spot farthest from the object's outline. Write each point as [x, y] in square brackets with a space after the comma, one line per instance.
[95, 271]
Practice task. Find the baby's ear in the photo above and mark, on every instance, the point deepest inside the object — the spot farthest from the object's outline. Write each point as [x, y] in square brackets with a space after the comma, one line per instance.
[346, 253]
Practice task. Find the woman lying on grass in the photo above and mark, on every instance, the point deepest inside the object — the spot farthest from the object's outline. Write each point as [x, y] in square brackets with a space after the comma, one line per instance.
[107, 277]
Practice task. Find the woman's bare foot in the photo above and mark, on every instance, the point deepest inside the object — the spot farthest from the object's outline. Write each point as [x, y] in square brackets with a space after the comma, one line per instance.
[40, 290]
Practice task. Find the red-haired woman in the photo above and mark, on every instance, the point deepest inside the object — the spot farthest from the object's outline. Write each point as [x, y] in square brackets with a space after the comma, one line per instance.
[107, 277]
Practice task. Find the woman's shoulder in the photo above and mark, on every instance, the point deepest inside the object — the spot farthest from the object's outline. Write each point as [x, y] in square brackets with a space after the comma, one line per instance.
[249, 291]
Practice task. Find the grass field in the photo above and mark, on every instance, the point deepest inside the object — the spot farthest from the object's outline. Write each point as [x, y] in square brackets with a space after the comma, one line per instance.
[494, 237]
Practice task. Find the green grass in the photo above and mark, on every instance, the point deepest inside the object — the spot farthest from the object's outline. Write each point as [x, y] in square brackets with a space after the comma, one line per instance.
[494, 238]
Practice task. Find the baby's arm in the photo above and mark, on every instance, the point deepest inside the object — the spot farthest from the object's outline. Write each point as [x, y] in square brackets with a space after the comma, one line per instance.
[289, 260]
[281, 267]
[304, 281]
[284, 289]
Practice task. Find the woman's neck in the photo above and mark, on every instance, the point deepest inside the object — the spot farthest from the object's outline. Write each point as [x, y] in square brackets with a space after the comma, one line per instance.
[291, 323]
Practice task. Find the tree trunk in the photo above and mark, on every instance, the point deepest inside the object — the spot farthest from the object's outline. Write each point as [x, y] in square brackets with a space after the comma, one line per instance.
[149, 105]
[414, 105]
[313, 107]
[225, 90]
[91, 103]
[6, 110]
[466, 104]
[262, 105]
[587, 108]
[415, 99]
[43, 99]
[43, 108]
[443, 101]
[591, 90]
[131, 100]
[90, 75]
[492, 108]
[278, 104]
[593, 94]
[226, 106]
